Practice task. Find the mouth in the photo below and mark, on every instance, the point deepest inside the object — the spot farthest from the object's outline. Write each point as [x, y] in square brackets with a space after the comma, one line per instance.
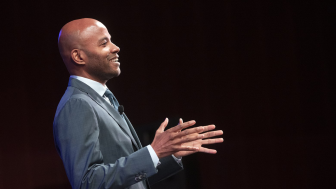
[114, 60]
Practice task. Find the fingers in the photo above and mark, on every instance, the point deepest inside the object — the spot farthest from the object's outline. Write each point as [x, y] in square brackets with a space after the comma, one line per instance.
[186, 148]
[209, 128]
[213, 141]
[213, 133]
[163, 125]
[181, 126]
[188, 138]
[200, 129]
[180, 121]
[190, 131]
[207, 150]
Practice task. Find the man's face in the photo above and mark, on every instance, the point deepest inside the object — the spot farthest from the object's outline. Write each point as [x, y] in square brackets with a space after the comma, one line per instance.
[101, 54]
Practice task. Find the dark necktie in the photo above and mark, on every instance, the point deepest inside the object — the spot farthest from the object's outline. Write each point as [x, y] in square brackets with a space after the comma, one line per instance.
[115, 103]
[112, 99]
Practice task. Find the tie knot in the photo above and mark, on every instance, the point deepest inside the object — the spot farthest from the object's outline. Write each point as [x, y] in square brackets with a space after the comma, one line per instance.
[108, 93]
[112, 98]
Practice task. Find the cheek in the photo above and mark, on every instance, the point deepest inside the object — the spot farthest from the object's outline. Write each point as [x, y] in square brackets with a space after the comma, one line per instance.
[106, 52]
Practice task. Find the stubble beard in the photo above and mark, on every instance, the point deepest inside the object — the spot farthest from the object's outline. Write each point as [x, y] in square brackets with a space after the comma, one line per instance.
[101, 69]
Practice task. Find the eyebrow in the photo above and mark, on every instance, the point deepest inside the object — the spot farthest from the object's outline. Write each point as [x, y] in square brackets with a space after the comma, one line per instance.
[101, 40]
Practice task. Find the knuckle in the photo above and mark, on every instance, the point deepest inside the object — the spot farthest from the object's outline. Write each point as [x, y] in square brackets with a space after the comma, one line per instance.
[197, 137]
[185, 132]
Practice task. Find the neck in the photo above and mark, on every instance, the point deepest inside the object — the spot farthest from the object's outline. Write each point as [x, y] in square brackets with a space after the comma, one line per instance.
[103, 82]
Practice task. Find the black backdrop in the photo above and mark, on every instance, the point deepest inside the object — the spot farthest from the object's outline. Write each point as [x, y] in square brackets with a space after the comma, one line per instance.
[261, 71]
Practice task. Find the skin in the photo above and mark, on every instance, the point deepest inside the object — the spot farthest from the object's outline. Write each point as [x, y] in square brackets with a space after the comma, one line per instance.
[87, 50]
[180, 141]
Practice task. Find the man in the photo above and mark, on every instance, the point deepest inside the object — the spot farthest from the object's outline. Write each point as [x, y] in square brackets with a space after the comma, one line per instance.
[96, 142]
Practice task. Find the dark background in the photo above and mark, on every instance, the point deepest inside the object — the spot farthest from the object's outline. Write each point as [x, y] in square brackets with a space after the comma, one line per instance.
[262, 71]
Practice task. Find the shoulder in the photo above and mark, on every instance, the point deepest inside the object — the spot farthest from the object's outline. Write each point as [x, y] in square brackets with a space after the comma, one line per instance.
[74, 99]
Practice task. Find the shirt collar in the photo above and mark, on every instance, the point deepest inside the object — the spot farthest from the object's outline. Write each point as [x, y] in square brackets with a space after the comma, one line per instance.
[98, 87]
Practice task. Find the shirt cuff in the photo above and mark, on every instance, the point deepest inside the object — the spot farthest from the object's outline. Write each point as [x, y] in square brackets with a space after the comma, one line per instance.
[153, 155]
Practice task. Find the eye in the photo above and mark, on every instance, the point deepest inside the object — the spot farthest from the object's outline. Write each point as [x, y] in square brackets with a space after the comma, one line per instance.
[104, 43]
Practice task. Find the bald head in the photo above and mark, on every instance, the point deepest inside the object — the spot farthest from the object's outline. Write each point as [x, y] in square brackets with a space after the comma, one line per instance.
[72, 36]
[81, 43]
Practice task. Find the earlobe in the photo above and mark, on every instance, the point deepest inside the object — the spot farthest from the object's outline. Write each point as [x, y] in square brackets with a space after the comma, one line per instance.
[77, 56]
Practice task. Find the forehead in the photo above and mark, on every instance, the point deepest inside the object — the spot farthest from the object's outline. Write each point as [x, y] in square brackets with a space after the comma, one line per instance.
[94, 33]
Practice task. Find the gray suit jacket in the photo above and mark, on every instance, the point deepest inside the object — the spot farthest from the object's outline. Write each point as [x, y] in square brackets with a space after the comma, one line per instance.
[95, 144]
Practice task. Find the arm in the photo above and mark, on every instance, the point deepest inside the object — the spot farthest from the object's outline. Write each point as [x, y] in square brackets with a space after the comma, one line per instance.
[76, 133]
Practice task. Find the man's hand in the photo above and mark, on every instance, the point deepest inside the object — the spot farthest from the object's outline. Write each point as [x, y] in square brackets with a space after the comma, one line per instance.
[176, 141]
[199, 142]
[168, 142]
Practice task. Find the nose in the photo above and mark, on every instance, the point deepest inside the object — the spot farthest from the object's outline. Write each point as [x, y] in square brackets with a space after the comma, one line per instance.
[114, 48]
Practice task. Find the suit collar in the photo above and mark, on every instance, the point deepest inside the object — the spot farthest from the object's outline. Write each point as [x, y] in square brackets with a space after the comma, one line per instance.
[98, 87]
[104, 104]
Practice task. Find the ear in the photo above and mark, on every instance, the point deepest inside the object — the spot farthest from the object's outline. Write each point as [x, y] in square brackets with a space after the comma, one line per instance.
[78, 56]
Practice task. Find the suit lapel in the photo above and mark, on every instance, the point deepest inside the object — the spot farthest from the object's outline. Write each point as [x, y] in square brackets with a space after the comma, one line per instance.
[105, 105]
[133, 131]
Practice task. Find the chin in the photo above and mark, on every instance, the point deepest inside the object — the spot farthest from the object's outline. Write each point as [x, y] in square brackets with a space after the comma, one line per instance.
[113, 74]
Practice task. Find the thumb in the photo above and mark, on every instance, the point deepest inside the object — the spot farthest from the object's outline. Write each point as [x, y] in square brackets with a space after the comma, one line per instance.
[180, 121]
[163, 125]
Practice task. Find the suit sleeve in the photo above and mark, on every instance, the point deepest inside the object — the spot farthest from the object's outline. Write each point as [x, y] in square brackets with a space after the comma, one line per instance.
[167, 168]
[76, 133]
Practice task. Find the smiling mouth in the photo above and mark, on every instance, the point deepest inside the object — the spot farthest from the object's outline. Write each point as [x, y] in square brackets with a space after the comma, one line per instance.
[114, 60]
